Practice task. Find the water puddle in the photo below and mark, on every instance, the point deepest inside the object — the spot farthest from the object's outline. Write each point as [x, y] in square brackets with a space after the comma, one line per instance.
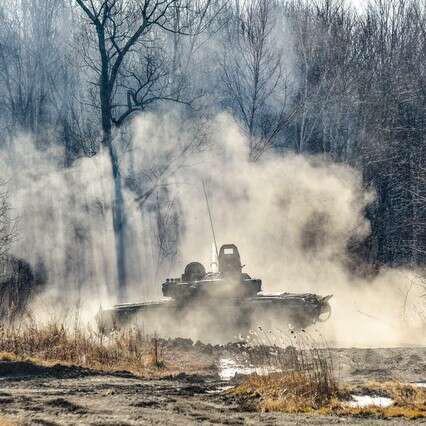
[361, 401]
[228, 368]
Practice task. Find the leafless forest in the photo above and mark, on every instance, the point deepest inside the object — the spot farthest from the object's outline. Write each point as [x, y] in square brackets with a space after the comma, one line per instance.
[304, 124]
[318, 78]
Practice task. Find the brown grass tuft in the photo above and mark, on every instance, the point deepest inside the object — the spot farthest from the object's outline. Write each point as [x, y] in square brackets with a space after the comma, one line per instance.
[303, 374]
[7, 422]
[292, 393]
[128, 349]
[306, 383]
[278, 392]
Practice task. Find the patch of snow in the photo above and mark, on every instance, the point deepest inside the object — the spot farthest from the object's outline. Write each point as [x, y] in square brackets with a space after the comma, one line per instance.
[362, 401]
[220, 389]
[228, 368]
[420, 384]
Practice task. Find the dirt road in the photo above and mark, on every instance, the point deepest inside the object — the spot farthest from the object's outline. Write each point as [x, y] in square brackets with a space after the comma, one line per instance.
[59, 395]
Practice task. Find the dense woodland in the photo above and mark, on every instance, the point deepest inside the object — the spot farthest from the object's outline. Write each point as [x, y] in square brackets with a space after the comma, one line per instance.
[310, 76]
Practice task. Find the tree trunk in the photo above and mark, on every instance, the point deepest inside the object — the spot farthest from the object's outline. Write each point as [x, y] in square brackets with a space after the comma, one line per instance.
[118, 207]
[119, 219]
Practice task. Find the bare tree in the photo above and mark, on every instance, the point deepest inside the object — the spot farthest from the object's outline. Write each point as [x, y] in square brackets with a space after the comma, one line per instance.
[27, 73]
[6, 228]
[254, 74]
[310, 76]
[132, 74]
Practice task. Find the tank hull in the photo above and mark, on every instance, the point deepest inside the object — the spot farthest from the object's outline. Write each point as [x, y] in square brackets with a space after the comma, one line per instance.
[219, 305]
[225, 318]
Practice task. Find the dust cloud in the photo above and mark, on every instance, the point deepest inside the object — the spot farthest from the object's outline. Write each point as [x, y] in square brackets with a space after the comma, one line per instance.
[63, 220]
[291, 216]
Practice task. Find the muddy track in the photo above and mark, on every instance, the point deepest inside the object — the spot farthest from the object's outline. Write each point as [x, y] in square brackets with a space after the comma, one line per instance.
[59, 395]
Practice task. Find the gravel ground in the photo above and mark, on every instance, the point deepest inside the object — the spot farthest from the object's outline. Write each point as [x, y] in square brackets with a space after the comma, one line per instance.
[59, 395]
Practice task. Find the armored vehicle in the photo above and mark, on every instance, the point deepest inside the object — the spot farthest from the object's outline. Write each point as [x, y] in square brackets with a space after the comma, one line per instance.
[224, 302]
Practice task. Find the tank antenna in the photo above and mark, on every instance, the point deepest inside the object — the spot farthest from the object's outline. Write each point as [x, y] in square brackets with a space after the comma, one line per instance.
[210, 217]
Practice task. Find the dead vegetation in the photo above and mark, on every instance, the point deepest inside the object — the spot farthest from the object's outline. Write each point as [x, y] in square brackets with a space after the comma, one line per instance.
[409, 400]
[292, 393]
[301, 375]
[129, 349]
[302, 379]
[295, 394]
[7, 422]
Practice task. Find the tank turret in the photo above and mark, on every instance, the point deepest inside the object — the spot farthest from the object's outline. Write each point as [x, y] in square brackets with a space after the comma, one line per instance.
[228, 282]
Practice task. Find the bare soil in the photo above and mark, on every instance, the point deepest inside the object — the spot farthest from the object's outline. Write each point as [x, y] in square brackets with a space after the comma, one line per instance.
[68, 395]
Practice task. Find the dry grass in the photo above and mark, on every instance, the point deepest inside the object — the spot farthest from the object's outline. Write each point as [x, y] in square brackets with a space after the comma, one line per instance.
[305, 382]
[285, 392]
[128, 349]
[409, 400]
[303, 373]
[340, 409]
[6, 422]
[294, 394]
